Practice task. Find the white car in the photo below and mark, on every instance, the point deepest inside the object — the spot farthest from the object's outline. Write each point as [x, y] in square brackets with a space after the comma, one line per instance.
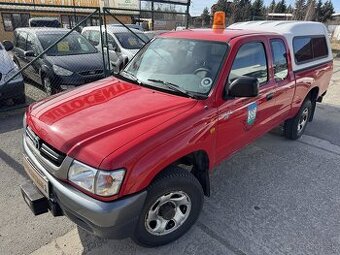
[15, 88]
[123, 45]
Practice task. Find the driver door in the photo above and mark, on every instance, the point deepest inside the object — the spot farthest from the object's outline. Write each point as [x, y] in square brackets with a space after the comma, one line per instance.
[241, 120]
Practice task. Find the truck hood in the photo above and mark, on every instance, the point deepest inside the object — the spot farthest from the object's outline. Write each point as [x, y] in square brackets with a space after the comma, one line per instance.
[92, 121]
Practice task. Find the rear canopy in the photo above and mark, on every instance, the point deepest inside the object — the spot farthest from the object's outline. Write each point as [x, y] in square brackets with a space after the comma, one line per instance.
[292, 30]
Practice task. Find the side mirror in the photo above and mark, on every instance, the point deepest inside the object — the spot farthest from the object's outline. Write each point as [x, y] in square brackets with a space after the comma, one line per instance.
[8, 45]
[29, 53]
[112, 47]
[243, 87]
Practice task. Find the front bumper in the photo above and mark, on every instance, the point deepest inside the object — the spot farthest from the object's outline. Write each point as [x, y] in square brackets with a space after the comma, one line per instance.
[115, 219]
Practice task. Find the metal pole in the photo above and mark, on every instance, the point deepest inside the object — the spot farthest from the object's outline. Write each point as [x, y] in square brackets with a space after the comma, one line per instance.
[102, 39]
[74, 12]
[188, 14]
[152, 15]
[107, 44]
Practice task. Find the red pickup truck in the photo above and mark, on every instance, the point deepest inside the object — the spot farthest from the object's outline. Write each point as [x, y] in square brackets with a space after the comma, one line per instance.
[131, 155]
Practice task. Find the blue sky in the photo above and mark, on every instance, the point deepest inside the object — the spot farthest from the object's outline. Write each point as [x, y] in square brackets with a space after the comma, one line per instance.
[197, 6]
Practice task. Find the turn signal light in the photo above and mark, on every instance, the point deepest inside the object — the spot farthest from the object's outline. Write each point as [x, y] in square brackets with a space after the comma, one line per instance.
[219, 20]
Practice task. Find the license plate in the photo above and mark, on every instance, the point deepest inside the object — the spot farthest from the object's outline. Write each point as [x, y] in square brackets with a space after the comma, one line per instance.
[39, 180]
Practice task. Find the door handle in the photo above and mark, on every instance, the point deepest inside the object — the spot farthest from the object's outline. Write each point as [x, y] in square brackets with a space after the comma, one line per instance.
[270, 96]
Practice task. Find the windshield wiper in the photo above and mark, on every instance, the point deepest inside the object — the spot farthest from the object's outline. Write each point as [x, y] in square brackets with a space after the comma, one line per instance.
[176, 88]
[131, 77]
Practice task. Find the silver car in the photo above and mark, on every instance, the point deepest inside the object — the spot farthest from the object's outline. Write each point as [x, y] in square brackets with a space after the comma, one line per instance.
[10, 88]
[123, 45]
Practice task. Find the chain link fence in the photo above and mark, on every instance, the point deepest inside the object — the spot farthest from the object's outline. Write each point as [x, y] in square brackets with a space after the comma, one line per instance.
[50, 48]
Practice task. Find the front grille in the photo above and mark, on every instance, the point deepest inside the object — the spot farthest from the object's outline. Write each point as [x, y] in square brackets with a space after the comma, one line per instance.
[91, 73]
[48, 152]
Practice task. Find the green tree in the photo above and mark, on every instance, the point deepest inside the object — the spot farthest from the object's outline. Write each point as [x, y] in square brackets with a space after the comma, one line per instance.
[205, 17]
[300, 10]
[327, 11]
[242, 10]
[290, 9]
[222, 5]
[310, 10]
[257, 9]
[281, 7]
[272, 6]
[318, 11]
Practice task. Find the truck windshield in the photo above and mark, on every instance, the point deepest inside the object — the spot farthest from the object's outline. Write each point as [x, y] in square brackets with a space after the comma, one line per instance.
[73, 44]
[190, 65]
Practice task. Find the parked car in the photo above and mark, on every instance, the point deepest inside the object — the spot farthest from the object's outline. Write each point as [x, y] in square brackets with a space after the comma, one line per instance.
[134, 26]
[123, 45]
[15, 88]
[44, 22]
[152, 34]
[71, 62]
[136, 161]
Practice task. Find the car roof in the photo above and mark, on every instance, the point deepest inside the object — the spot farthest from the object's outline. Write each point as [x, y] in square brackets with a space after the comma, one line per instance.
[113, 28]
[43, 18]
[43, 30]
[218, 35]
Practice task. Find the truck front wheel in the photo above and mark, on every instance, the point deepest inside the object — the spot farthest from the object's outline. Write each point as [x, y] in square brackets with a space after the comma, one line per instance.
[294, 128]
[173, 205]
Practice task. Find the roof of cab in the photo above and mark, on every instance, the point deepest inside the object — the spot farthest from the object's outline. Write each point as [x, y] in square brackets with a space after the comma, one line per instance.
[218, 35]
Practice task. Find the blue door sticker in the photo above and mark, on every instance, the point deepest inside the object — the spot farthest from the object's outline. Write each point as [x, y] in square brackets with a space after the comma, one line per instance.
[252, 110]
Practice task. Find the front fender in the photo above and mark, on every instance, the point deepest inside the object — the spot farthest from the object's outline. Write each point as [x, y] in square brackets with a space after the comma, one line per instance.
[154, 161]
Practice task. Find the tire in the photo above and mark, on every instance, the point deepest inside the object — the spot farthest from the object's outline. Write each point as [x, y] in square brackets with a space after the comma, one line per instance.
[176, 193]
[46, 82]
[295, 127]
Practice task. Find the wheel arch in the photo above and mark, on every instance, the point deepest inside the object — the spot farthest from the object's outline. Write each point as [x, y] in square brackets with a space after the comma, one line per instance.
[197, 163]
[313, 95]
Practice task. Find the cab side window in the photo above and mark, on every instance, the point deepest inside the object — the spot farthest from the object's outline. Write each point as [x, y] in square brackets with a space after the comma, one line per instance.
[279, 59]
[94, 38]
[250, 61]
[20, 40]
[31, 44]
[110, 42]
[309, 48]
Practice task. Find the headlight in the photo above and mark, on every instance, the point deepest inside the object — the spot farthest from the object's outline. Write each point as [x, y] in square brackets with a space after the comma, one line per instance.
[61, 71]
[101, 183]
[11, 73]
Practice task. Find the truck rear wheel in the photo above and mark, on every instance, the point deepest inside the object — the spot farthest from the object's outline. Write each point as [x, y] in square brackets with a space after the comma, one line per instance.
[294, 128]
[173, 204]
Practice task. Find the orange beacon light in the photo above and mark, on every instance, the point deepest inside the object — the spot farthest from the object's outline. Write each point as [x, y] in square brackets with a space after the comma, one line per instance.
[219, 20]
